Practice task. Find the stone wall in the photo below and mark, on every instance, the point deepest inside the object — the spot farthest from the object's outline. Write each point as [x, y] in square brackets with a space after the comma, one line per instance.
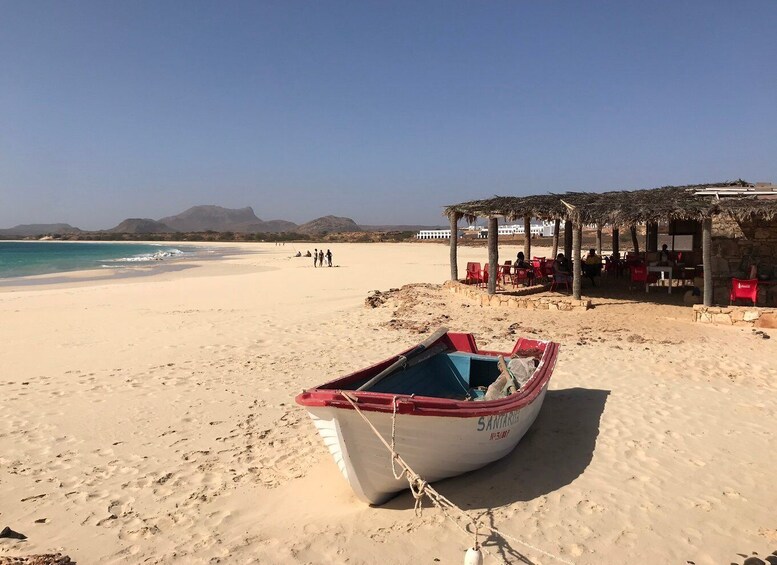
[527, 298]
[736, 316]
[737, 245]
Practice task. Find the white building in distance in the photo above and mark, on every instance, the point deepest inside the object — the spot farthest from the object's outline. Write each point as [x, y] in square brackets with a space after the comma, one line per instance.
[436, 234]
[538, 229]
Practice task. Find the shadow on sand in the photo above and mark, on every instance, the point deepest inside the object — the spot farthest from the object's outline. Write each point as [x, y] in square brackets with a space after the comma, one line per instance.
[553, 453]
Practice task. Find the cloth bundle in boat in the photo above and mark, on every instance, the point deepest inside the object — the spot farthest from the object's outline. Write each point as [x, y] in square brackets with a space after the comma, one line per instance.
[513, 376]
[522, 368]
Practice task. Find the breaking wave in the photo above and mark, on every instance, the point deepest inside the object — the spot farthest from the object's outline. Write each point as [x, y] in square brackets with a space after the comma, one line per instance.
[146, 257]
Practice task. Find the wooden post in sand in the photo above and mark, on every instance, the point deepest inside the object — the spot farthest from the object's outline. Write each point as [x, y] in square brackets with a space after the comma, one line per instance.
[454, 218]
[651, 236]
[706, 258]
[568, 239]
[599, 239]
[493, 253]
[634, 240]
[556, 229]
[615, 241]
[577, 272]
[527, 237]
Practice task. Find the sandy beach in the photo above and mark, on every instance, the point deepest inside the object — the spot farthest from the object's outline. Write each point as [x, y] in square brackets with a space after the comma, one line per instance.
[152, 419]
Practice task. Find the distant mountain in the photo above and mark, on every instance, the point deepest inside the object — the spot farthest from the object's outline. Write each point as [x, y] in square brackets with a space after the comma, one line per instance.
[141, 225]
[218, 219]
[213, 218]
[270, 226]
[27, 230]
[328, 224]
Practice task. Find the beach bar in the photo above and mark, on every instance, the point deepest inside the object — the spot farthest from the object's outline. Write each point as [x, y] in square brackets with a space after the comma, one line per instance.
[733, 227]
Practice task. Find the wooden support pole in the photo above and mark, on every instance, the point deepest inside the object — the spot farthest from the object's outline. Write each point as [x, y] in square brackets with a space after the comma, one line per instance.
[493, 254]
[706, 259]
[651, 232]
[568, 239]
[556, 229]
[454, 218]
[634, 240]
[615, 241]
[599, 240]
[527, 237]
[577, 271]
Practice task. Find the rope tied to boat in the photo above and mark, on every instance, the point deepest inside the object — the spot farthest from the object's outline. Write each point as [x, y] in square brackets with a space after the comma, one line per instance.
[417, 484]
[394, 454]
[420, 488]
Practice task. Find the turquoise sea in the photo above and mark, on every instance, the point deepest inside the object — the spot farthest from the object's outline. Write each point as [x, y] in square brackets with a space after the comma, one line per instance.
[25, 258]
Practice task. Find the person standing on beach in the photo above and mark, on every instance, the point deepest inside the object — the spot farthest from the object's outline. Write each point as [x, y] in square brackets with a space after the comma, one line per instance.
[315, 257]
[328, 258]
[321, 258]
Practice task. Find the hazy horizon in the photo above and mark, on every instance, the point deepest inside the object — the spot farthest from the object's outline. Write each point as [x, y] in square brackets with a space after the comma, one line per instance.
[380, 112]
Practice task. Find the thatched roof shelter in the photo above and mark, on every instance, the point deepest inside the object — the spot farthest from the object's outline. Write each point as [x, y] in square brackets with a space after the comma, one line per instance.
[699, 202]
[623, 207]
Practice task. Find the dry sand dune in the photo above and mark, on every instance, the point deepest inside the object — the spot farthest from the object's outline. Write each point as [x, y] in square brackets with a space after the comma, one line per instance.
[151, 420]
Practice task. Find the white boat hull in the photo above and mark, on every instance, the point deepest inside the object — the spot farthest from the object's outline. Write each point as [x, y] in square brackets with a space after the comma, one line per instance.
[435, 447]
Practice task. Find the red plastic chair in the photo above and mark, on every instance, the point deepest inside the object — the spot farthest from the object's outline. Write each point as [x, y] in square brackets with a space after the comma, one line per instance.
[484, 275]
[639, 274]
[473, 273]
[556, 282]
[547, 269]
[538, 265]
[613, 265]
[503, 274]
[520, 276]
[747, 289]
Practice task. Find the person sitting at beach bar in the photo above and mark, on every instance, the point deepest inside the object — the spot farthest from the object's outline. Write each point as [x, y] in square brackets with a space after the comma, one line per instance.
[664, 257]
[520, 261]
[562, 272]
[526, 272]
[592, 265]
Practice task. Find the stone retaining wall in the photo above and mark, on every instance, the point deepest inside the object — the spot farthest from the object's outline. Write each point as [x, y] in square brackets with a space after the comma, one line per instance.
[739, 244]
[736, 316]
[520, 298]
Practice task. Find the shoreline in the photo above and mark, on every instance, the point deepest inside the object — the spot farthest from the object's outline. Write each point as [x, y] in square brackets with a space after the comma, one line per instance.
[125, 269]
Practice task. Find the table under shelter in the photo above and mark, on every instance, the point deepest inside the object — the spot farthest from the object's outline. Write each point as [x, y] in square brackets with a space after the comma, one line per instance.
[752, 206]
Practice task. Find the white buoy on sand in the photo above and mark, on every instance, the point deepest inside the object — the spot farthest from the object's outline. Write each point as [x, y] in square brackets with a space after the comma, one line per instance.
[473, 556]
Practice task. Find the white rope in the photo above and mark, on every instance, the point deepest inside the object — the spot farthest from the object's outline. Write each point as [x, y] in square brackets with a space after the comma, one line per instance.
[394, 404]
[420, 488]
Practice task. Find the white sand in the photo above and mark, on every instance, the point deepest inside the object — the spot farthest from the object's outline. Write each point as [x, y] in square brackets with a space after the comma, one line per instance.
[151, 420]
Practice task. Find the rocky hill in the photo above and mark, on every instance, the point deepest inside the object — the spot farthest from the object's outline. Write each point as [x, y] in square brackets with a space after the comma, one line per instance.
[141, 225]
[31, 230]
[199, 219]
[270, 226]
[328, 224]
[212, 218]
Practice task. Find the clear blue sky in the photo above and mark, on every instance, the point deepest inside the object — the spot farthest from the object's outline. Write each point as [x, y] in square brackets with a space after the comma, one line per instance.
[379, 111]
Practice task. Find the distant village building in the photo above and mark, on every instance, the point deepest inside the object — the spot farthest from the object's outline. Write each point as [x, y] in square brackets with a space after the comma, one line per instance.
[538, 228]
[435, 234]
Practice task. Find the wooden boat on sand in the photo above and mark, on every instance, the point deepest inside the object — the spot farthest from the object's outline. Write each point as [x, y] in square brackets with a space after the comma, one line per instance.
[453, 408]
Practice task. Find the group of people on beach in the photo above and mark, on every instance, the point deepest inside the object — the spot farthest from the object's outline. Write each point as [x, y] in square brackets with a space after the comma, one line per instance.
[562, 268]
[319, 257]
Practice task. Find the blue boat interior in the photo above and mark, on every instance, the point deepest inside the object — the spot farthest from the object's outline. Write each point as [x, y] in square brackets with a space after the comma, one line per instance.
[445, 375]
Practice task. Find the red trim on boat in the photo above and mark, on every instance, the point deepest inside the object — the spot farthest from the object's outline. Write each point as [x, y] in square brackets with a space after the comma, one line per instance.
[329, 394]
